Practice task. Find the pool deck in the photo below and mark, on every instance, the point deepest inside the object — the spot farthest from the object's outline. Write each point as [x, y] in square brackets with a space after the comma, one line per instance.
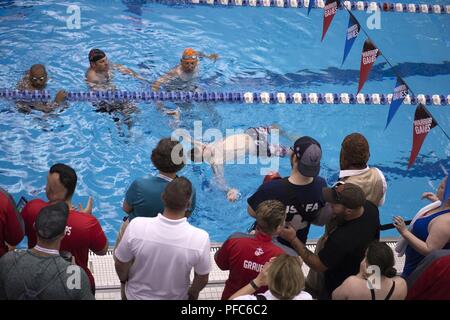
[108, 284]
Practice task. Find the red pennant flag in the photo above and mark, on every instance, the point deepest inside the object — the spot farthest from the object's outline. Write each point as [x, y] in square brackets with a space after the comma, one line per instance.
[369, 55]
[423, 123]
[329, 11]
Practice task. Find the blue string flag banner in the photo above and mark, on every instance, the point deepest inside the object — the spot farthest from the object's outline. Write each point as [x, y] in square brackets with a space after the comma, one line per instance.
[400, 92]
[352, 33]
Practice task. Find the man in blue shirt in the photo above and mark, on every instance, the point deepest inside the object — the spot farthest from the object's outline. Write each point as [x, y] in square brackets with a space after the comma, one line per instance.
[301, 192]
[143, 198]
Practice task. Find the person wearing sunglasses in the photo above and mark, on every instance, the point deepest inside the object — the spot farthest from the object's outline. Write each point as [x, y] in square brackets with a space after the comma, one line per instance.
[186, 71]
[36, 79]
[182, 77]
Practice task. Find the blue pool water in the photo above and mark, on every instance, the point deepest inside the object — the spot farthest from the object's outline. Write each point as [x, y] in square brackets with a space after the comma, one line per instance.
[260, 49]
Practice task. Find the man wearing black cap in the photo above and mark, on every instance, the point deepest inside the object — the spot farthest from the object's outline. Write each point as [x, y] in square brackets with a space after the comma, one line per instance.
[358, 226]
[99, 77]
[99, 74]
[301, 192]
[41, 273]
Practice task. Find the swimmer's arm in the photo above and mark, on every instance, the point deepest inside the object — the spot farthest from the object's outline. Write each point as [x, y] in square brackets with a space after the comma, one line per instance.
[128, 71]
[219, 176]
[231, 193]
[212, 56]
[23, 107]
[156, 86]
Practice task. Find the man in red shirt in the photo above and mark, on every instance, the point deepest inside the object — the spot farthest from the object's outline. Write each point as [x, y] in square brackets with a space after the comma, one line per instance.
[245, 254]
[83, 231]
[11, 223]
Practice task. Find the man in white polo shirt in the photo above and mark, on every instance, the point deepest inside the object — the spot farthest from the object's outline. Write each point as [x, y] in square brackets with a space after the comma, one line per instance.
[156, 255]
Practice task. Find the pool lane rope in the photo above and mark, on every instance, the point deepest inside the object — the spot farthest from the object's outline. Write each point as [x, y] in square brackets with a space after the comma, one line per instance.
[264, 97]
[320, 4]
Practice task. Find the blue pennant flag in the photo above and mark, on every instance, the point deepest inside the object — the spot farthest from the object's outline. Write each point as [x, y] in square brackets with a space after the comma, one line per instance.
[310, 5]
[400, 92]
[352, 32]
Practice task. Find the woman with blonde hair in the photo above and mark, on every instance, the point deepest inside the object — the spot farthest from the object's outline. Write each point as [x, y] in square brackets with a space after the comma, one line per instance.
[284, 277]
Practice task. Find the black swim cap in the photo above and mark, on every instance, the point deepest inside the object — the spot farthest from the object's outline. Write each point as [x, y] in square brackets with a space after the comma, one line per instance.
[95, 55]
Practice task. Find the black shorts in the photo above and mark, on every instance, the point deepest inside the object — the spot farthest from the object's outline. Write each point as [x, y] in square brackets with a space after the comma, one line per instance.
[261, 137]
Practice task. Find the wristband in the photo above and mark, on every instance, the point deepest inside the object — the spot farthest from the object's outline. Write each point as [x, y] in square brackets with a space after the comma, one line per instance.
[253, 284]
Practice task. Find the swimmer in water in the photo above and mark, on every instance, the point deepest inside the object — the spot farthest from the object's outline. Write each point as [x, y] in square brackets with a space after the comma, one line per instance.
[36, 79]
[254, 141]
[99, 74]
[182, 77]
[99, 77]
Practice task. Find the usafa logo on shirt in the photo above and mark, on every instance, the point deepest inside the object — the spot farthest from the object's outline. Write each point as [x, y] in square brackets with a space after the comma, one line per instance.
[259, 251]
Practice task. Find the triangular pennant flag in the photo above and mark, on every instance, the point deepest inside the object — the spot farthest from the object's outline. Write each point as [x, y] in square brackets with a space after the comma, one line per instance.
[329, 11]
[310, 5]
[423, 123]
[352, 32]
[400, 92]
[369, 55]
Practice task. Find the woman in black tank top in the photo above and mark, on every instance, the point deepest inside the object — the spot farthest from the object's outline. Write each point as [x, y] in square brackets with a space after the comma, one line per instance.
[377, 273]
[372, 290]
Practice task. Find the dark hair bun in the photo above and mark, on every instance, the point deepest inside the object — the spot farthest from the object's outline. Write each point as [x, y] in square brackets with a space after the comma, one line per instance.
[390, 272]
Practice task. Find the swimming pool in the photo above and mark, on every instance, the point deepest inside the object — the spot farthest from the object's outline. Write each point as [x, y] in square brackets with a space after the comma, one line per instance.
[260, 49]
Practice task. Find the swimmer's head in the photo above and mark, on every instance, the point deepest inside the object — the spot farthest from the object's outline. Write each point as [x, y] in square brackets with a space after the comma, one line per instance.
[98, 60]
[38, 76]
[189, 60]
